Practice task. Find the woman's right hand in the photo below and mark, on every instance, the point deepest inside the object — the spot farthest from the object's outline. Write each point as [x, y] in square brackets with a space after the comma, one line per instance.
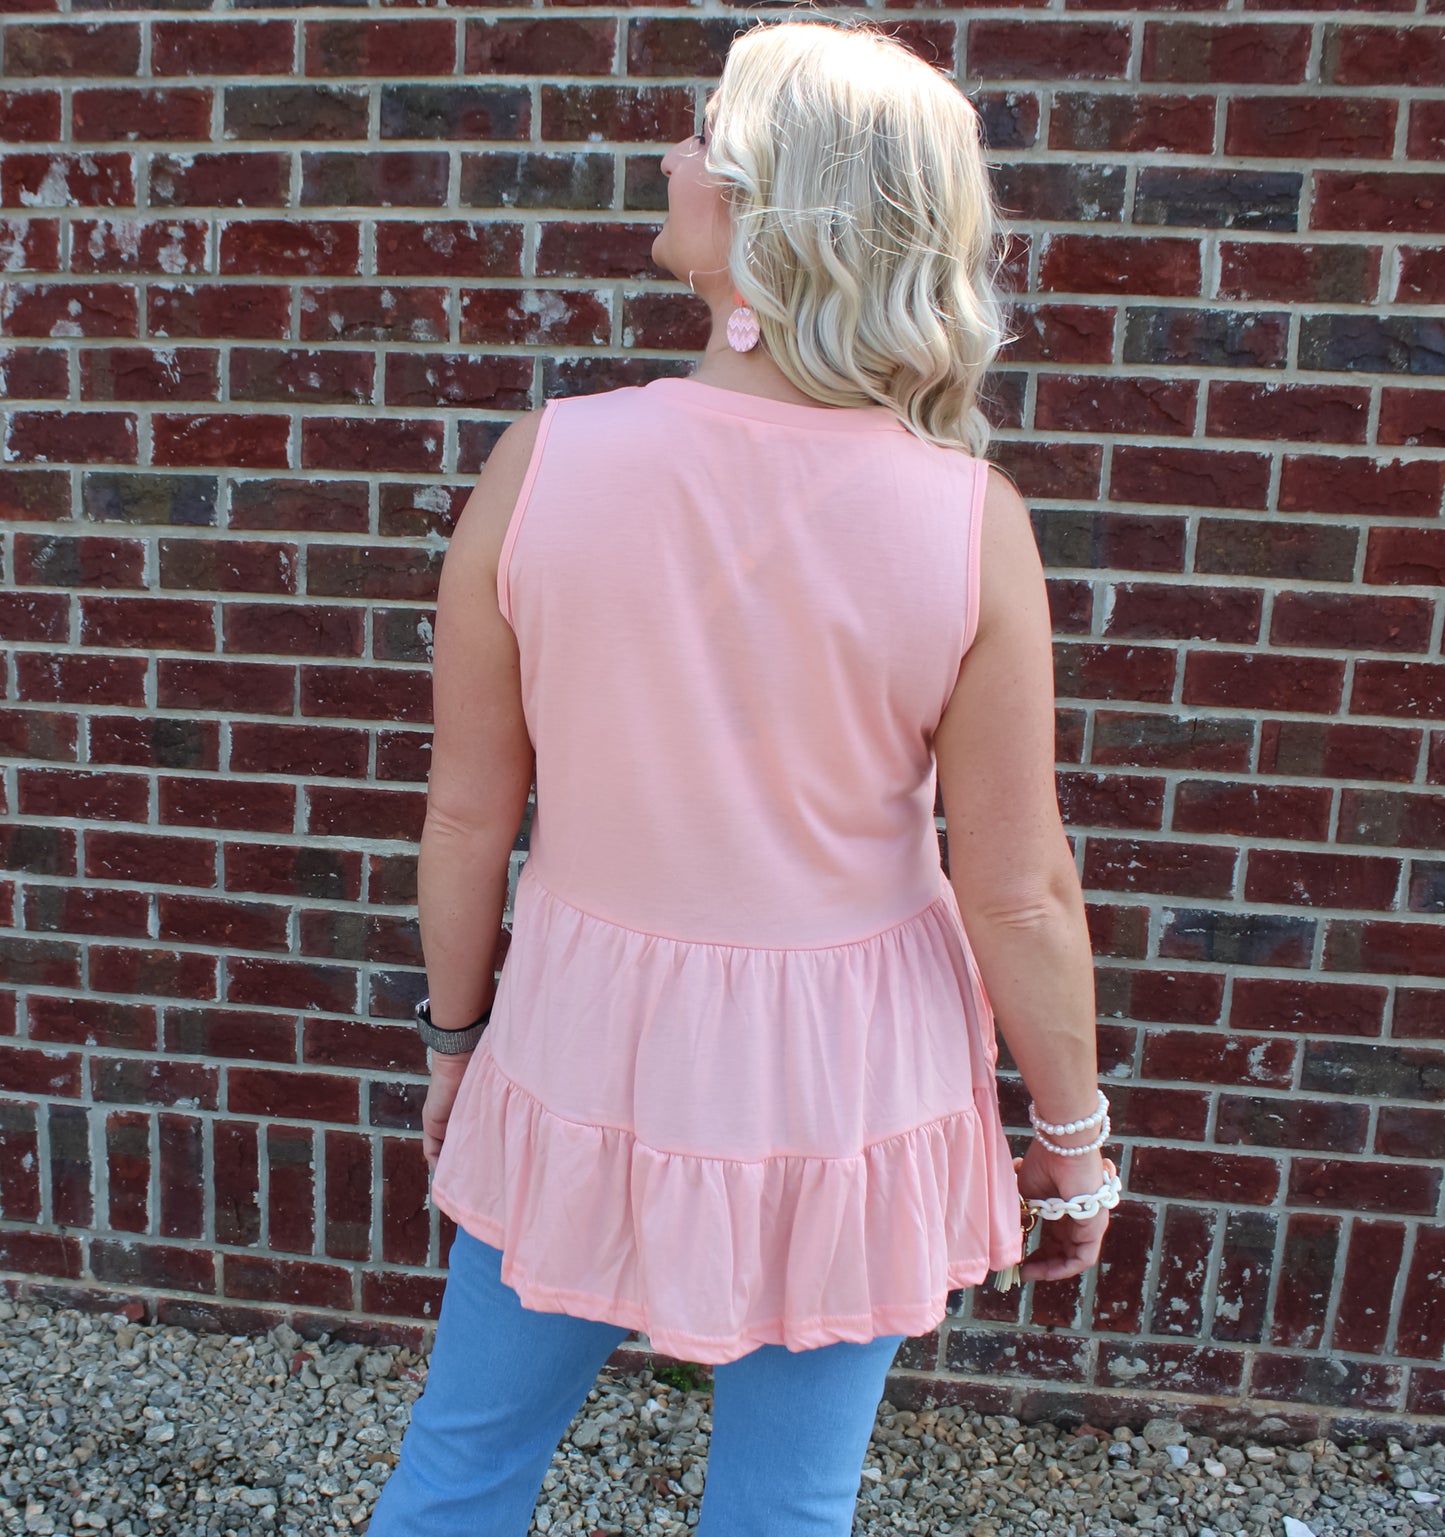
[1067, 1246]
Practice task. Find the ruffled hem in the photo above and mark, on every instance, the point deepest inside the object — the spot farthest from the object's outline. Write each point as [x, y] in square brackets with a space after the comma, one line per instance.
[712, 1257]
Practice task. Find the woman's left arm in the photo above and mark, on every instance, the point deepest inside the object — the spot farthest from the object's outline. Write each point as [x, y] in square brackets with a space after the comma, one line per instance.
[481, 767]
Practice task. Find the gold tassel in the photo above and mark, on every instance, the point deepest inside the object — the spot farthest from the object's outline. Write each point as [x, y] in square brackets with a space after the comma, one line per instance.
[1005, 1280]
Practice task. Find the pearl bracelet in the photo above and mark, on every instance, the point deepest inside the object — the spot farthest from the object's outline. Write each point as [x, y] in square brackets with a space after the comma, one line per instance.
[1073, 1152]
[1070, 1126]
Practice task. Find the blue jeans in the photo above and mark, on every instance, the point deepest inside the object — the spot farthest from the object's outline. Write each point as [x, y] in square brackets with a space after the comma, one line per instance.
[790, 1428]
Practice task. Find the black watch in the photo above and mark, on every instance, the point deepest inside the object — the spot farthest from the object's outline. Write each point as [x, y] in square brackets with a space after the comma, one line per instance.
[449, 1042]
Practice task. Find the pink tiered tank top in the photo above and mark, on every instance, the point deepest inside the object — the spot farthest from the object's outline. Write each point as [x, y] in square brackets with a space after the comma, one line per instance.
[738, 1087]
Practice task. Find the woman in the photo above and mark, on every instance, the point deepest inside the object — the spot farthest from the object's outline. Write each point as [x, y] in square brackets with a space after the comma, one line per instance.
[736, 1089]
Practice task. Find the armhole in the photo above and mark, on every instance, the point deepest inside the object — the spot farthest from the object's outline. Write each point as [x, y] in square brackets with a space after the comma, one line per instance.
[975, 542]
[514, 523]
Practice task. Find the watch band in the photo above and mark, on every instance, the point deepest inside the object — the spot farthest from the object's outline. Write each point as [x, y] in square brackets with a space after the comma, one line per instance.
[448, 1042]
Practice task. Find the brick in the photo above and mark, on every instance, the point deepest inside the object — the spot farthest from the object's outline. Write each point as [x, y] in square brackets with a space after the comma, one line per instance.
[35, 616]
[150, 622]
[223, 311]
[1420, 274]
[330, 506]
[222, 48]
[1162, 265]
[39, 850]
[1426, 892]
[220, 180]
[1380, 55]
[251, 687]
[456, 248]
[1325, 1380]
[38, 734]
[137, 856]
[1375, 622]
[1425, 136]
[34, 373]
[1113, 540]
[1252, 810]
[363, 313]
[996, 1352]
[456, 111]
[1392, 818]
[108, 114]
[1211, 198]
[1360, 487]
[1157, 865]
[401, 634]
[1195, 1175]
[90, 679]
[366, 693]
[1236, 938]
[1399, 948]
[1185, 1263]
[458, 379]
[1072, 191]
[1284, 1121]
[1246, 1264]
[593, 249]
[238, 1188]
[100, 795]
[28, 245]
[1356, 1185]
[152, 971]
[1297, 272]
[1310, 127]
[225, 439]
[1407, 555]
[294, 629]
[75, 437]
[1362, 1315]
[138, 245]
[364, 813]
[289, 248]
[80, 562]
[354, 936]
[229, 565]
[68, 309]
[1239, 52]
[222, 923]
[1409, 1132]
[86, 910]
[137, 373]
[72, 49]
[1136, 673]
[177, 500]
[1063, 334]
[1111, 800]
[1161, 740]
[357, 178]
[1337, 750]
[1167, 336]
[1094, 403]
[372, 571]
[1205, 1056]
[305, 871]
[1310, 413]
[1116, 930]
[1411, 417]
[1375, 1069]
[1260, 681]
[394, 47]
[656, 114]
[326, 752]
[1136, 123]
[403, 755]
[296, 374]
[1071, 606]
[1188, 477]
[154, 741]
[1170, 997]
[1123, 1269]
[29, 117]
[1306, 1271]
[346, 443]
[1296, 877]
[310, 112]
[50, 179]
[291, 984]
[1050, 50]
[254, 807]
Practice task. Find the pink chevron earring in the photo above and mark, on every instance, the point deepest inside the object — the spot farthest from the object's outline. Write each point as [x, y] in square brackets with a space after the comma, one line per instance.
[743, 328]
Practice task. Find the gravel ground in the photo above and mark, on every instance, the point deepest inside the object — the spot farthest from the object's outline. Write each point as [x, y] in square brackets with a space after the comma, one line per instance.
[136, 1429]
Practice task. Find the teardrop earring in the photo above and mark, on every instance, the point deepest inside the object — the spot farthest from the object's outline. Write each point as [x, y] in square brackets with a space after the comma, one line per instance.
[743, 329]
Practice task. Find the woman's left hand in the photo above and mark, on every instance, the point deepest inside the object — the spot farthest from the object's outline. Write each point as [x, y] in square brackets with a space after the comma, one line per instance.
[447, 1073]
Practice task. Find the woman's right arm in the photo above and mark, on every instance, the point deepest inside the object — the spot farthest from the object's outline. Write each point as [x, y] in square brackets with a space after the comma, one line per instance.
[1012, 870]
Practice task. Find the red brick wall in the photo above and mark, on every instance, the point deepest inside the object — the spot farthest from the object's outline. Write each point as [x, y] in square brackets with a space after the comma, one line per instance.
[272, 285]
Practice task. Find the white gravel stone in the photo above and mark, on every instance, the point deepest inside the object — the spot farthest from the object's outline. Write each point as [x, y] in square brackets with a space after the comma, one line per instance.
[139, 1430]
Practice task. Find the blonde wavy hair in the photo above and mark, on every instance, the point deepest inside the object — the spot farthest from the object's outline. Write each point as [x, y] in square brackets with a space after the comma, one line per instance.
[864, 232]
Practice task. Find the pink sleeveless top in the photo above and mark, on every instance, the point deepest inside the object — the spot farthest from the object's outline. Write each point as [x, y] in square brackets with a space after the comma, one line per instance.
[738, 1088]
